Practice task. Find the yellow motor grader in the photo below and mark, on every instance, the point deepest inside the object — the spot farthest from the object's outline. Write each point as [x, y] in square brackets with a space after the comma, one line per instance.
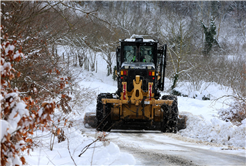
[137, 104]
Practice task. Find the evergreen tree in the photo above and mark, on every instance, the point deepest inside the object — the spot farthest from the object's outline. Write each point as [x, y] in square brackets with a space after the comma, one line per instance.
[210, 34]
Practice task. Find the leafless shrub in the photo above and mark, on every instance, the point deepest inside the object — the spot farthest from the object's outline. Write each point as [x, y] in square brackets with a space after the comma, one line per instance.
[235, 113]
[101, 136]
[224, 70]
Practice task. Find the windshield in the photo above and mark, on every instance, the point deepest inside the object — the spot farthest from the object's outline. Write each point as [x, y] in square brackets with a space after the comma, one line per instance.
[138, 54]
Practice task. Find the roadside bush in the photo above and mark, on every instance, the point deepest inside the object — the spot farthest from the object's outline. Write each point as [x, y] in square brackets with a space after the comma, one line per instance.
[236, 112]
[20, 116]
[30, 79]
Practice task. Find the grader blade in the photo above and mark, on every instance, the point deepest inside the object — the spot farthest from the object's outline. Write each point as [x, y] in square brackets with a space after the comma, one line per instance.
[90, 121]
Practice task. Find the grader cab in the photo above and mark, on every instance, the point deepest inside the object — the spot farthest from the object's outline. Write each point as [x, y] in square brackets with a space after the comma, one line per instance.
[140, 78]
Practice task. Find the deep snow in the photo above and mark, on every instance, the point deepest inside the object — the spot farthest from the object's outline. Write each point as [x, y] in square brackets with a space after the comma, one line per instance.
[106, 153]
[202, 124]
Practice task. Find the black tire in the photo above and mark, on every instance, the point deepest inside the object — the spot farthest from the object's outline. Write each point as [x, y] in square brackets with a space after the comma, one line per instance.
[170, 115]
[104, 121]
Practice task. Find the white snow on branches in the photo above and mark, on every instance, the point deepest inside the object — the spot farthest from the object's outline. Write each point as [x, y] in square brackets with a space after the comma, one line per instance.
[18, 54]
[13, 109]
[17, 113]
[9, 47]
[5, 128]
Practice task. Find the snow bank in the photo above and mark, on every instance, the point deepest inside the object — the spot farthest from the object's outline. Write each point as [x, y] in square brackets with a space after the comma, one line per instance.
[215, 130]
[97, 154]
[211, 90]
[203, 119]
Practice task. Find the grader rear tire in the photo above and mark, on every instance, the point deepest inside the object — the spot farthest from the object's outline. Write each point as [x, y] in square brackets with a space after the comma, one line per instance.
[170, 115]
[104, 121]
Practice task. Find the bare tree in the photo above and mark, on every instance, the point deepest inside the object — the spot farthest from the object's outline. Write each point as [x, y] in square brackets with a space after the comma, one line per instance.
[177, 33]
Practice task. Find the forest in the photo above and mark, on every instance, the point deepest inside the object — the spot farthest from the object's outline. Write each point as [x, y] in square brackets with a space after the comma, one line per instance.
[206, 42]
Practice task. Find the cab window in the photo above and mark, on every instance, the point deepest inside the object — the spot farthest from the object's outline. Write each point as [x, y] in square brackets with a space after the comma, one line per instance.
[146, 54]
[129, 53]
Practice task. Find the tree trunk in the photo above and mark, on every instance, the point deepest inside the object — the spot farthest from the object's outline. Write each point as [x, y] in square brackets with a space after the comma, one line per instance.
[81, 58]
[86, 64]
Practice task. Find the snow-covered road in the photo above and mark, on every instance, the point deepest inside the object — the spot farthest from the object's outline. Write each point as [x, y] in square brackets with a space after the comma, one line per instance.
[156, 148]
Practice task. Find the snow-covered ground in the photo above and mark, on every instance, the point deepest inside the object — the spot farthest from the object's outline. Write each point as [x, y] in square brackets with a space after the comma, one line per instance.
[203, 125]
[67, 152]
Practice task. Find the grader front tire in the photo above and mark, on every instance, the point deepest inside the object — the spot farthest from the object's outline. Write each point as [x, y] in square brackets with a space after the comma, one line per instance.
[170, 115]
[104, 122]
